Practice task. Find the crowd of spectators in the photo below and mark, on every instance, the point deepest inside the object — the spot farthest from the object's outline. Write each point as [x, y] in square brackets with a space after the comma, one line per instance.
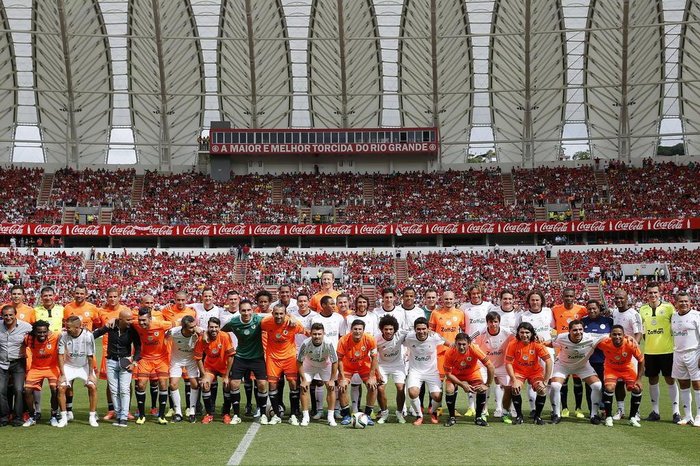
[92, 188]
[20, 186]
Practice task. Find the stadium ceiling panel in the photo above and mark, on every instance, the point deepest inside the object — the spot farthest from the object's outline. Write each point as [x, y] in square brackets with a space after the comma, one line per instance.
[166, 77]
[8, 109]
[254, 64]
[72, 70]
[344, 65]
[528, 80]
[690, 77]
[624, 75]
[435, 71]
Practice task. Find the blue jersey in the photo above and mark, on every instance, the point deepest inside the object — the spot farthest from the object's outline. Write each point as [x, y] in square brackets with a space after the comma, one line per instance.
[601, 325]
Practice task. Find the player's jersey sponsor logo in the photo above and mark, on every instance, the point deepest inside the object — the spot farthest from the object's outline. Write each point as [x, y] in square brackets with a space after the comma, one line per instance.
[656, 331]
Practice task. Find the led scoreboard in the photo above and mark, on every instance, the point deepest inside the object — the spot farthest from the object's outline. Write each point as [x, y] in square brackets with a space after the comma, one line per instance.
[389, 141]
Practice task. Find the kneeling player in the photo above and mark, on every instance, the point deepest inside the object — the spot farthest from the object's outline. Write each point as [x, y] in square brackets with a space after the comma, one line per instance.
[575, 347]
[76, 360]
[43, 348]
[462, 370]
[217, 351]
[357, 354]
[523, 357]
[619, 351]
[317, 359]
[391, 364]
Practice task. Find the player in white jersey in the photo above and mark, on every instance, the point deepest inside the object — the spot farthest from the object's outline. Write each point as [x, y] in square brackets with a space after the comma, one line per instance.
[317, 359]
[475, 311]
[361, 313]
[184, 339]
[494, 341]
[575, 347]
[389, 306]
[284, 294]
[685, 327]
[506, 309]
[76, 360]
[392, 365]
[206, 309]
[304, 315]
[542, 320]
[333, 323]
[233, 299]
[626, 316]
[422, 348]
[408, 305]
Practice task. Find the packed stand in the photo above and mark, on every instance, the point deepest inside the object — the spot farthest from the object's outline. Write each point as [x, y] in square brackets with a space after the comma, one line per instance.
[21, 188]
[92, 188]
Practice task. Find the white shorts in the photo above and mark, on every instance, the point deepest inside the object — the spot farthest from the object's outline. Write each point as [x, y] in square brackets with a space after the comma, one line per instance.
[501, 374]
[685, 365]
[75, 372]
[323, 373]
[189, 364]
[396, 373]
[562, 371]
[416, 379]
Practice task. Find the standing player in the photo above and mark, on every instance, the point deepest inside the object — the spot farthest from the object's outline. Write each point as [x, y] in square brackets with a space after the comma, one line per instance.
[408, 305]
[327, 280]
[284, 294]
[357, 355]
[342, 303]
[627, 316]
[206, 309]
[574, 349]
[685, 326]
[317, 359]
[391, 363]
[388, 306]
[179, 309]
[475, 311]
[493, 342]
[599, 324]
[462, 370]
[506, 309]
[13, 365]
[18, 299]
[619, 351]
[48, 310]
[155, 361]
[334, 326]
[182, 361]
[362, 313]
[42, 348]
[522, 358]
[429, 302]
[76, 360]
[217, 351]
[86, 311]
[423, 347]
[233, 299]
[658, 349]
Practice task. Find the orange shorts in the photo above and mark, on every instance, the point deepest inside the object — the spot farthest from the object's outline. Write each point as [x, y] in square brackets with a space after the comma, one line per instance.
[532, 377]
[147, 369]
[214, 372]
[103, 368]
[276, 367]
[35, 378]
[627, 375]
[472, 378]
[441, 363]
[362, 372]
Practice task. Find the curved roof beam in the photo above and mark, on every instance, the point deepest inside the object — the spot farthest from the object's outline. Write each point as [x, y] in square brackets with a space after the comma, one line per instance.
[72, 152]
[165, 159]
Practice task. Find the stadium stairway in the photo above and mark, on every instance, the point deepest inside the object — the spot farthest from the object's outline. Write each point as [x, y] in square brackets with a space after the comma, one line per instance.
[371, 292]
[277, 191]
[368, 190]
[595, 291]
[554, 269]
[105, 217]
[339, 215]
[401, 270]
[137, 187]
[272, 289]
[602, 183]
[89, 265]
[240, 268]
[45, 189]
[508, 188]
[540, 213]
[304, 214]
[68, 216]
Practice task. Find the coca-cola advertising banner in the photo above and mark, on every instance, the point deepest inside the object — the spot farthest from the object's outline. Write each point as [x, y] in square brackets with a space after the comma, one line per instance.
[362, 229]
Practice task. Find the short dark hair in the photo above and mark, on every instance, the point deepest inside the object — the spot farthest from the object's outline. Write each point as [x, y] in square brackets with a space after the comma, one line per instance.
[317, 326]
[245, 301]
[493, 316]
[420, 321]
[214, 320]
[144, 311]
[652, 285]
[326, 299]
[576, 322]
[187, 320]
[262, 293]
[461, 336]
[388, 290]
[358, 322]
[73, 319]
[45, 289]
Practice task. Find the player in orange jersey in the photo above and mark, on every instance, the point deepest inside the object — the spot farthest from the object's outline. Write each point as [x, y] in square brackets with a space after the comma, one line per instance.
[149, 302]
[463, 370]
[523, 357]
[18, 299]
[155, 359]
[88, 312]
[175, 312]
[327, 280]
[42, 347]
[217, 351]
[357, 356]
[280, 331]
[619, 350]
[447, 321]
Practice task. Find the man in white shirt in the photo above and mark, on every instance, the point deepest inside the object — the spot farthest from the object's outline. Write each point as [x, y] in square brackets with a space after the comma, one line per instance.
[408, 305]
[625, 315]
[392, 365]
[388, 306]
[184, 338]
[494, 342]
[284, 298]
[685, 326]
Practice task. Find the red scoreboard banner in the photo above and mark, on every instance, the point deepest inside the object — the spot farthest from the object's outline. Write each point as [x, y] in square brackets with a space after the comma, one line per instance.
[333, 148]
[361, 229]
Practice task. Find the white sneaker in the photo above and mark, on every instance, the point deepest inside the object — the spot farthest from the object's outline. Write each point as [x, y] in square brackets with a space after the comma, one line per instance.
[412, 412]
[293, 420]
[383, 416]
[634, 422]
[70, 415]
[318, 415]
[29, 422]
[53, 421]
[608, 421]
[263, 420]
[63, 422]
[93, 421]
[256, 413]
[685, 421]
[620, 414]
[696, 421]
[332, 423]
[498, 412]
[305, 422]
[399, 418]
[235, 420]
[274, 420]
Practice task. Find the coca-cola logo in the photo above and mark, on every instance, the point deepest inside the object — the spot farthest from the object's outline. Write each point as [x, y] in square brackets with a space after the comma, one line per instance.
[85, 230]
[338, 230]
[122, 230]
[674, 224]
[160, 230]
[267, 230]
[444, 229]
[412, 229]
[232, 230]
[303, 230]
[523, 227]
[11, 229]
[480, 228]
[373, 229]
[591, 226]
[628, 225]
[199, 230]
[48, 230]
[554, 227]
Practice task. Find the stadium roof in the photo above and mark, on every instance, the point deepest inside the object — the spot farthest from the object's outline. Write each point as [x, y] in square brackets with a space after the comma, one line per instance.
[85, 82]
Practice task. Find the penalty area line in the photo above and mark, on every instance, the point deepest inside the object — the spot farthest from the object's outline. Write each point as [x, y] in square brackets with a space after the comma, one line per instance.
[238, 455]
